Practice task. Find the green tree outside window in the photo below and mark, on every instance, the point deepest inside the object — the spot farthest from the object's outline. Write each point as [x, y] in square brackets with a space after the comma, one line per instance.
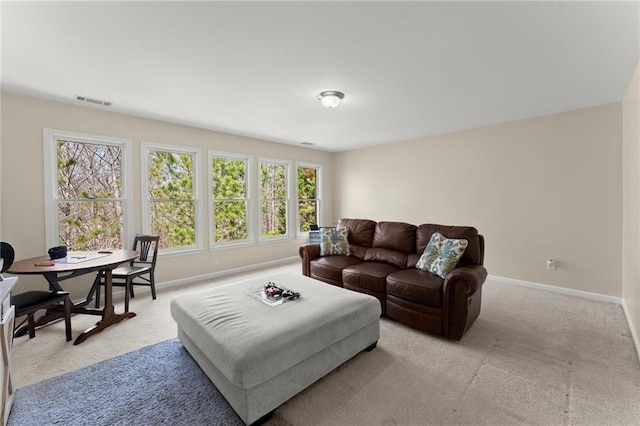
[172, 205]
[230, 203]
[89, 195]
[307, 197]
[273, 187]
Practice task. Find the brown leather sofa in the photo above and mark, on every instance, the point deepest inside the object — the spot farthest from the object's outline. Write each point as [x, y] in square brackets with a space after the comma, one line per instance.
[382, 263]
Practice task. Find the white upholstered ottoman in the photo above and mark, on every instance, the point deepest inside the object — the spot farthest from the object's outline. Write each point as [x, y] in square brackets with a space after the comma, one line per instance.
[259, 356]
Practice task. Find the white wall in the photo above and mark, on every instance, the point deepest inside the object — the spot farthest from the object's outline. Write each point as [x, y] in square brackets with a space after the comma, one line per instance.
[23, 120]
[547, 187]
[631, 206]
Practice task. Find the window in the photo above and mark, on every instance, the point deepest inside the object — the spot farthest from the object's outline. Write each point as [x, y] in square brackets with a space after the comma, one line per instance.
[169, 181]
[308, 196]
[229, 192]
[86, 187]
[274, 197]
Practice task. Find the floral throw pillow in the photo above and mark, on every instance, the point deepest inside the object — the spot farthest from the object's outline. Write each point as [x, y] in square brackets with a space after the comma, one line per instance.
[441, 255]
[450, 253]
[334, 242]
[431, 252]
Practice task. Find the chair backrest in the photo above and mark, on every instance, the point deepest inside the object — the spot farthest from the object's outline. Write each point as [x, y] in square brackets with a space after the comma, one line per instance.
[148, 249]
[7, 255]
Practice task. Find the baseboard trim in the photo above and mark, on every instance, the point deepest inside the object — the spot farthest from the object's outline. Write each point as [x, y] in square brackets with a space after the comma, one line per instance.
[119, 295]
[566, 291]
[634, 332]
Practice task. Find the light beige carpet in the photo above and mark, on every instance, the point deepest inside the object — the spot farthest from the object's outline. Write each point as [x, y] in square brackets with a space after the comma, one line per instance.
[532, 357]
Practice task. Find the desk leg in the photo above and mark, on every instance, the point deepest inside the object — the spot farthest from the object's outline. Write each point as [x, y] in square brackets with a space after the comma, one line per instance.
[52, 279]
[109, 317]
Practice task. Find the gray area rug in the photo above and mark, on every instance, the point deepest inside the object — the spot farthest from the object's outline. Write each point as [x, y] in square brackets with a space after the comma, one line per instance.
[156, 385]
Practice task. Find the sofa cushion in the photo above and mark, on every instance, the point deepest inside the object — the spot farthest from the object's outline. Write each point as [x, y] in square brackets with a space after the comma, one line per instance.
[360, 235]
[331, 267]
[412, 260]
[369, 275]
[397, 236]
[334, 242]
[360, 230]
[471, 256]
[383, 255]
[451, 250]
[417, 286]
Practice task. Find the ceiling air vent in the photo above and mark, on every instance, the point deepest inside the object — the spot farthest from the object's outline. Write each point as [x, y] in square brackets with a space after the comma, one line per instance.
[92, 100]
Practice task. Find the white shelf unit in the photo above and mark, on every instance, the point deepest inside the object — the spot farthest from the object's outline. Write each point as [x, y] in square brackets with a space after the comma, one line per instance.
[8, 317]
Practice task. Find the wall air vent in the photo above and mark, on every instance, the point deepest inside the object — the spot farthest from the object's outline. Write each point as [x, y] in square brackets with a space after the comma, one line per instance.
[92, 100]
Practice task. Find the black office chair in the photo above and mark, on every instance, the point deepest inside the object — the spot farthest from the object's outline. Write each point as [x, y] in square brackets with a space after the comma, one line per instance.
[139, 271]
[30, 302]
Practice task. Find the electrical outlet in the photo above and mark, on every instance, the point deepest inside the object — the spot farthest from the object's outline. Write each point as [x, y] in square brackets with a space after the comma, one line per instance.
[215, 260]
[551, 264]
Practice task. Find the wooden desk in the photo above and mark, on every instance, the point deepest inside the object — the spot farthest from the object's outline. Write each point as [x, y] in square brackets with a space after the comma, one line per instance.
[53, 276]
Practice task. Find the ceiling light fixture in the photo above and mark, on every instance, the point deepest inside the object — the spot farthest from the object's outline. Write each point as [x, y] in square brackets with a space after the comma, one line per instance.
[330, 98]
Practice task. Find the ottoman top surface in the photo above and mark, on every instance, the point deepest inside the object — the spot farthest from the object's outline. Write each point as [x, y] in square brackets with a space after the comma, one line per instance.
[251, 342]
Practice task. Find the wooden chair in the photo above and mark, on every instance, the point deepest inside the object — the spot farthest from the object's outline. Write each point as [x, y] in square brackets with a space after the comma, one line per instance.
[7, 255]
[29, 302]
[139, 271]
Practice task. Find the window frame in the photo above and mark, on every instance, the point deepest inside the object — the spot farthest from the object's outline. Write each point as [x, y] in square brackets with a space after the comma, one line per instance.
[145, 148]
[50, 156]
[288, 184]
[318, 199]
[213, 245]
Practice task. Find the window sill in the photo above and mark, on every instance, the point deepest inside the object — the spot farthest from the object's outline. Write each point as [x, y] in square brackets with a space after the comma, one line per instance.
[179, 252]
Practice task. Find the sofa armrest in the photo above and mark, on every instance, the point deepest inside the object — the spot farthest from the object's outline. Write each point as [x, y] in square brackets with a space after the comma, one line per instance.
[461, 304]
[471, 277]
[308, 253]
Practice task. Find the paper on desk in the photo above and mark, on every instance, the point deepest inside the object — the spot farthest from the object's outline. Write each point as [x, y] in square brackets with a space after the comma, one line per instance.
[80, 256]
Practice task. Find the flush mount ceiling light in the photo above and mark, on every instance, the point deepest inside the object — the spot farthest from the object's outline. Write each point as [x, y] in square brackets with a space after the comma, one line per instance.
[330, 98]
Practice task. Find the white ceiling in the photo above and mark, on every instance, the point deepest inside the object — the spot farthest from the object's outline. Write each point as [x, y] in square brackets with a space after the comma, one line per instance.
[408, 69]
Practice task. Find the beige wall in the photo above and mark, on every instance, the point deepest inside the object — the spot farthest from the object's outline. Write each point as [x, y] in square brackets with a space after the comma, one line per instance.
[1, 172]
[547, 187]
[631, 205]
[538, 188]
[23, 120]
